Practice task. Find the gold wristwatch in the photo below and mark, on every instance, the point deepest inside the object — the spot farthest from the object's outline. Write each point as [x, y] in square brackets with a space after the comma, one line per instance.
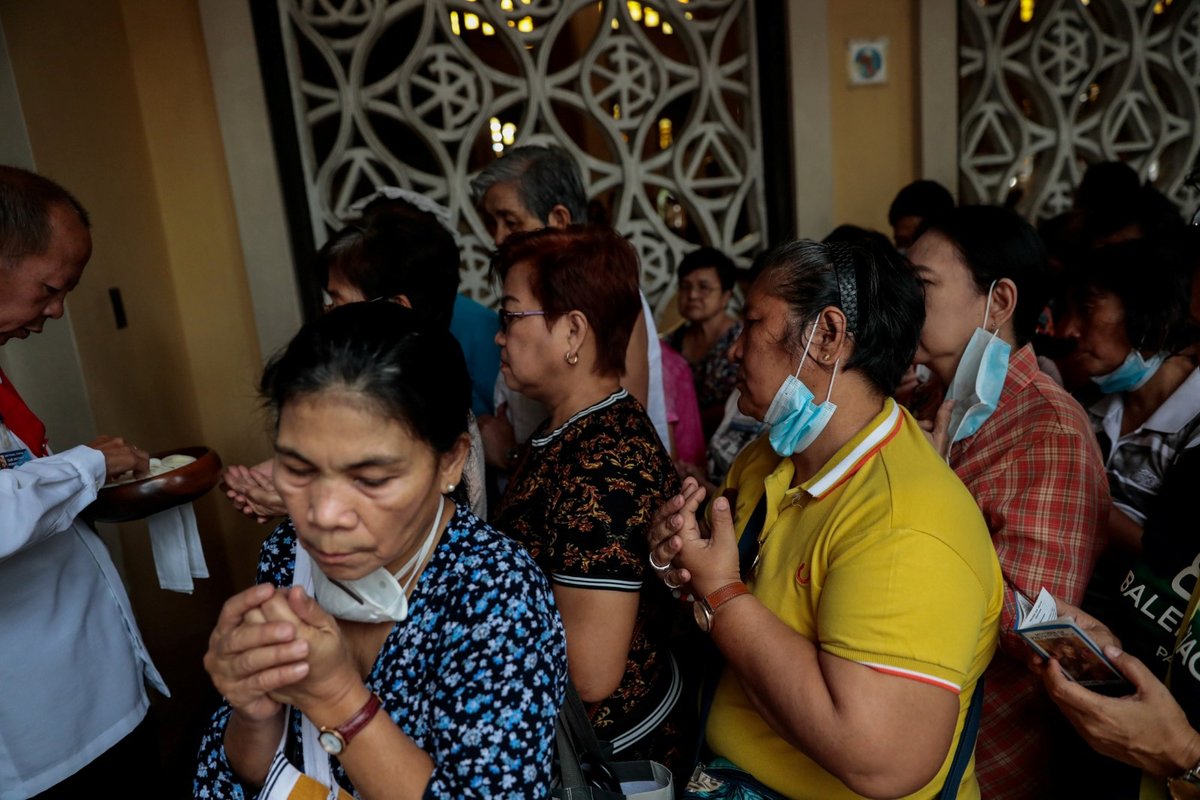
[334, 740]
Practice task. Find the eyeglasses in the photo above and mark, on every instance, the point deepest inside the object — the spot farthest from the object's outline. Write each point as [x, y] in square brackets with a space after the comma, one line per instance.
[506, 317]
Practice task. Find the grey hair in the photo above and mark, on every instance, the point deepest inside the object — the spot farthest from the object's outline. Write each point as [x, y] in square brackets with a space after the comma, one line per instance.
[25, 202]
[544, 176]
[875, 288]
[802, 274]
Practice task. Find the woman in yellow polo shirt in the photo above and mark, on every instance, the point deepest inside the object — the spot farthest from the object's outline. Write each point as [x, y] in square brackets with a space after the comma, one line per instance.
[871, 590]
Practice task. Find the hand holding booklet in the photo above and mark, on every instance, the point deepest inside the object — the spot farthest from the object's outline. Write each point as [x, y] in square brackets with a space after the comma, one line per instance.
[1052, 636]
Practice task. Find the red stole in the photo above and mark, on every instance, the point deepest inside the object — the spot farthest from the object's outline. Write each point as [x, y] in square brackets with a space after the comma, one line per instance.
[20, 420]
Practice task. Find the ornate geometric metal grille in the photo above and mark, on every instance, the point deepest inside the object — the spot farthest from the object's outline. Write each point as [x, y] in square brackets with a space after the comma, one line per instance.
[658, 102]
[1075, 84]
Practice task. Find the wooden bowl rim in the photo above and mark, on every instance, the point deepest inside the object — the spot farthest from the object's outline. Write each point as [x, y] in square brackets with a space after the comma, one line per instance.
[147, 496]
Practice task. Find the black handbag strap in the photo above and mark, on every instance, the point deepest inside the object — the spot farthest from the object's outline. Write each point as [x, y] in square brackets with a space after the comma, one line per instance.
[570, 773]
[966, 745]
[574, 716]
[581, 756]
[748, 544]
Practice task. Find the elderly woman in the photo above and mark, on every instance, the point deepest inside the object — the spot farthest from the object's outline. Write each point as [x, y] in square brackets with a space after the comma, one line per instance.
[588, 481]
[417, 652]
[859, 609]
[1129, 319]
[706, 278]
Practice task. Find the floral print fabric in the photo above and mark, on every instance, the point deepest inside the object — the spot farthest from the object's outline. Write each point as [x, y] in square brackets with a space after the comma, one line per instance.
[715, 375]
[475, 675]
[580, 500]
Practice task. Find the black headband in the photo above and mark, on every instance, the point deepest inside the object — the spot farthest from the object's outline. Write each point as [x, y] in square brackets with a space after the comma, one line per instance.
[843, 270]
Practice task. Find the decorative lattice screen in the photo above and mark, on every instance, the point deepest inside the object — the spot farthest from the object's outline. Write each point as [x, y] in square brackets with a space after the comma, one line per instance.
[658, 102]
[1076, 83]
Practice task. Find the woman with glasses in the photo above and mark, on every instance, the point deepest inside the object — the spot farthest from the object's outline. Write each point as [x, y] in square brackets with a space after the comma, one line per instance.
[706, 278]
[584, 487]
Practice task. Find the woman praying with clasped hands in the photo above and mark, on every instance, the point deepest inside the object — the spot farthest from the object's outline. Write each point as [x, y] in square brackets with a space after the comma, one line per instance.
[855, 630]
[395, 645]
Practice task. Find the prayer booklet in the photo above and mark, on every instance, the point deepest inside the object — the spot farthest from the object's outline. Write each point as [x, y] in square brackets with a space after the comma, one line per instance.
[1052, 636]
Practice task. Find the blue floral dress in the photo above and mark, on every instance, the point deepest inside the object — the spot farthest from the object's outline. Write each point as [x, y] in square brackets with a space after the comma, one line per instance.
[475, 675]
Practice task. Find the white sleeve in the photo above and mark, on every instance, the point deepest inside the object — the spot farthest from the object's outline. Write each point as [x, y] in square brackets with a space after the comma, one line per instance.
[501, 393]
[656, 400]
[42, 497]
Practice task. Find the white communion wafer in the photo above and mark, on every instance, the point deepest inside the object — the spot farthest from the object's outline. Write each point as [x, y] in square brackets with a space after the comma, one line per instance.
[177, 461]
[158, 466]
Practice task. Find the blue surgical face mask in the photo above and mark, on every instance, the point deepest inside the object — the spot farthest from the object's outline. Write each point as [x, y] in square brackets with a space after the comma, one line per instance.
[795, 420]
[979, 379]
[1133, 373]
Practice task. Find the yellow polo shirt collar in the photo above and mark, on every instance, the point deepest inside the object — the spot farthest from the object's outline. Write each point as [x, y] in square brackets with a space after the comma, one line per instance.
[856, 452]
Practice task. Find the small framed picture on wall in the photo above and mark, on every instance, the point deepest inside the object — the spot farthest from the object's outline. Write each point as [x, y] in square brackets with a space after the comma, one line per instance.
[866, 60]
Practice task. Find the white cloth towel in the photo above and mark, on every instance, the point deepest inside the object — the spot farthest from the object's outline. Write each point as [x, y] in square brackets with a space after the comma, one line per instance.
[178, 556]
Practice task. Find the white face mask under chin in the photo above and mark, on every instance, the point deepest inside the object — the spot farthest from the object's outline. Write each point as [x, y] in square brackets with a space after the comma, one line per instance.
[378, 596]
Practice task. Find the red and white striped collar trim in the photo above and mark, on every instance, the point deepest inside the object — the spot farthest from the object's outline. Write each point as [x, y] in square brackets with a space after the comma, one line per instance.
[870, 441]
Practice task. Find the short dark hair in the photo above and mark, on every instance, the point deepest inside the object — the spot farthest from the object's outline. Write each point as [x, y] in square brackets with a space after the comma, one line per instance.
[875, 288]
[1107, 185]
[854, 233]
[397, 249]
[996, 243]
[25, 202]
[591, 269]
[709, 257]
[925, 199]
[545, 177]
[1147, 276]
[1113, 199]
[1145, 212]
[412, 370]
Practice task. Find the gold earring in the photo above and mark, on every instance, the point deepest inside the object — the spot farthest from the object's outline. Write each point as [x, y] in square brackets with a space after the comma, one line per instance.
[572, 358]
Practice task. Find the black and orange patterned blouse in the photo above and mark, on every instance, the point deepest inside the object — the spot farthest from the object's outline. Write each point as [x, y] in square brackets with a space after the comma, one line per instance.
[580, 500]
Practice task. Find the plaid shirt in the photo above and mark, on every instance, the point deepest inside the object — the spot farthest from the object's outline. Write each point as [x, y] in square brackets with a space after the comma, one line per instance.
[1036, 472]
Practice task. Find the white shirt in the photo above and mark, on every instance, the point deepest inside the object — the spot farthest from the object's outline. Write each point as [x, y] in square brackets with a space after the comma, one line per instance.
[1137, 463]
[656, 400]
[733, 434]
[525, 414]
[71, 658]
[473, 470]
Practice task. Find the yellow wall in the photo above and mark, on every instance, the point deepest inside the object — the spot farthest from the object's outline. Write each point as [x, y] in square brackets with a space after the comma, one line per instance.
[211, 293]
[118, 104]
[874, 128]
